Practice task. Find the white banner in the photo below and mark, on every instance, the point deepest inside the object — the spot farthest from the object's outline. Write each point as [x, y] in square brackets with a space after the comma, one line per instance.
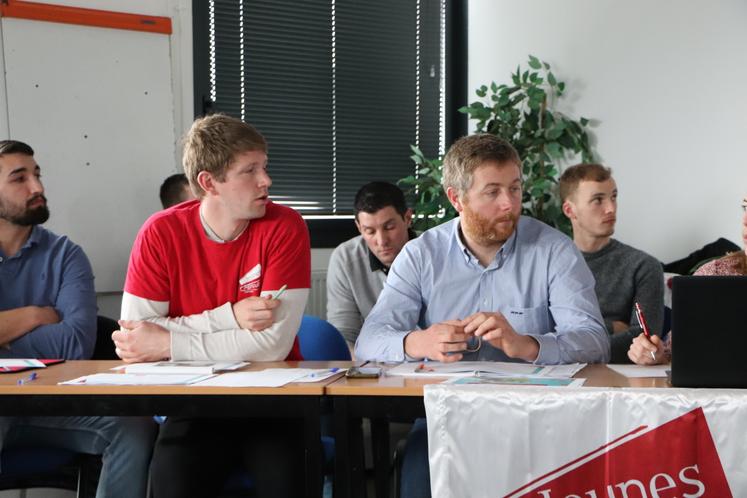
[491, 441]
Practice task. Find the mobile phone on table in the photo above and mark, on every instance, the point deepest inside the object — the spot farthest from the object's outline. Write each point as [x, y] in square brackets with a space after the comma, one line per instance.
[363, 372]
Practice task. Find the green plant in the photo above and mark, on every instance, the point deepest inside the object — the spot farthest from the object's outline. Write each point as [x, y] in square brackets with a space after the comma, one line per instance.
[523, 114]
[431, 207]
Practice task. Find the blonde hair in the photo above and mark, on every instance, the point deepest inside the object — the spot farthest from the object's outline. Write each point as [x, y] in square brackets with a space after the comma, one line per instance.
[469, 153]
[211, 144]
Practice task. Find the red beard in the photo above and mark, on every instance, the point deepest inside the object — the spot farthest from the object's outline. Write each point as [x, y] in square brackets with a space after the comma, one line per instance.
[486, 231]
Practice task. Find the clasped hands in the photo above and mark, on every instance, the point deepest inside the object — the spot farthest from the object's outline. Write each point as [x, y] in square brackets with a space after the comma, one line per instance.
[447, 341]
[140, 341]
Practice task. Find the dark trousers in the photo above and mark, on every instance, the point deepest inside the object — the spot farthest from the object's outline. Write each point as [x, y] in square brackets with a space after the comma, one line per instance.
[416, 477]
[193, 457]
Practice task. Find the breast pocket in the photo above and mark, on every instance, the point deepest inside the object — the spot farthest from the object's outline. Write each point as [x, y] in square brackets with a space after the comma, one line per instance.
[529, 320]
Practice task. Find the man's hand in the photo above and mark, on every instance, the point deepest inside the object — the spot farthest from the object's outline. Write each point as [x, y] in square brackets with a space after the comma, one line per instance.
[141, 341]
[495, 329]
[255, 313]
[19, 321]
[619, 326]
[642, 347]
[436, 341]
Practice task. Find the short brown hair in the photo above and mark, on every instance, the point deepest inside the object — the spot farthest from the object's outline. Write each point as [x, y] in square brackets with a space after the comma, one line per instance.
[469, 153]
[15, 147]
[211, 144]
[574, 175]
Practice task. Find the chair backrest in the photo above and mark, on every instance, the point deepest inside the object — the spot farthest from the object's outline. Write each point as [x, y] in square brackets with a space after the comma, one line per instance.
[319, 340]
[48, 467]
[104, 348]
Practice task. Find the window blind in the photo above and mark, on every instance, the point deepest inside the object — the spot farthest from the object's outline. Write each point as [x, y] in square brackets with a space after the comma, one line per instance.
[340, 89]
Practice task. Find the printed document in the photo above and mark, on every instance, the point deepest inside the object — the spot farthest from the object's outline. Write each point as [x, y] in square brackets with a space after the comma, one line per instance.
[475, 368]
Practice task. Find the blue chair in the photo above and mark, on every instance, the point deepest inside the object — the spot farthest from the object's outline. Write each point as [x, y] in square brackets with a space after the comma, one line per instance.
[319, 340]
[48, 467]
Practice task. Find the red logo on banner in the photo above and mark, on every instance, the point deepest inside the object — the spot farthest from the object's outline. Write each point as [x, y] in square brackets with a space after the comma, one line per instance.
[675, 460]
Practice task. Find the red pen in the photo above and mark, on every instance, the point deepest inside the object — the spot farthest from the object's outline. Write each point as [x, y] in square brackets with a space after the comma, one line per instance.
[644, 325]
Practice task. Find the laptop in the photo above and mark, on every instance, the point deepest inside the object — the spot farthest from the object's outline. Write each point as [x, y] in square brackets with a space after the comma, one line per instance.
[709, 327]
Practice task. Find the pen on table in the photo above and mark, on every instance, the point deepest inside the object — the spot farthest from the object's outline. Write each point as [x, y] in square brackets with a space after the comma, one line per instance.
[280, 291]
[644, 326]
[422, 367]
[28, 379]
[325, 372]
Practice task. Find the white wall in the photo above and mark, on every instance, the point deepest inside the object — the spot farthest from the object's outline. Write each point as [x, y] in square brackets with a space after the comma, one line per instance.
[664, 81]
[180, 48]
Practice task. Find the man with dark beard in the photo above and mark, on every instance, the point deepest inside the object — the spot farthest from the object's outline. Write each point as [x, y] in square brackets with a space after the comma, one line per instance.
[489, 285]
[48, 310]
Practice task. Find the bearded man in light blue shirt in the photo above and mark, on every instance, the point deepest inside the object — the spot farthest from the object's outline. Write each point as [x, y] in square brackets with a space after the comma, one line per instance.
[489, 285]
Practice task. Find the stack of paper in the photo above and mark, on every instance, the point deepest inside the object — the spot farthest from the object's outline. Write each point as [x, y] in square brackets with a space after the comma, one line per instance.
[477, 368]
[638, 371]
[517, 381]
[270, 377]
[125, 379]
[183, 367]
[14, 363]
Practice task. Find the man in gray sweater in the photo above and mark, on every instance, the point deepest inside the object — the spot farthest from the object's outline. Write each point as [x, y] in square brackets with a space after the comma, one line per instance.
[358, 267]
[624, 275]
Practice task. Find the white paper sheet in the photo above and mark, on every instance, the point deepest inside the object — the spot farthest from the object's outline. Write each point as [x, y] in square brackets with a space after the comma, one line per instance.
[21, 363]
[635, 371]
[270, 377]
[182, 367]
[124, 379]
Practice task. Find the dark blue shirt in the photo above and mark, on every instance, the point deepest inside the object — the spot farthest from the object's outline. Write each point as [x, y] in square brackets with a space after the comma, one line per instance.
[50, 270]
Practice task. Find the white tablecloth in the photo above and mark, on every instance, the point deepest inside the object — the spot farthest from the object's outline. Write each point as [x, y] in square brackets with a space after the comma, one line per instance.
[490, 441]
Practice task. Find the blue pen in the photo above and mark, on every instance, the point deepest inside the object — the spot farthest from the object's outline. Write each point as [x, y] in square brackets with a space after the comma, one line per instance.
[27, 379]
[319, 374]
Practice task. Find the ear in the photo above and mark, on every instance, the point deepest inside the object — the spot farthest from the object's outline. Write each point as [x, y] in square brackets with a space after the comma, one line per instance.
[408, 217]
[454, 199]
[207, 182]
[568, 209]
[358, 226]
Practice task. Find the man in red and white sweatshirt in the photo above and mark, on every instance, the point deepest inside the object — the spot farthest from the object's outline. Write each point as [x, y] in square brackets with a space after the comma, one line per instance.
[200, 286]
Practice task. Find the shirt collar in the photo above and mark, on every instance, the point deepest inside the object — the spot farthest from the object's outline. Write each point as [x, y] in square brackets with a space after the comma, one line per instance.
[503, 253]
[34, 239]
[210, 233]
[374, 262]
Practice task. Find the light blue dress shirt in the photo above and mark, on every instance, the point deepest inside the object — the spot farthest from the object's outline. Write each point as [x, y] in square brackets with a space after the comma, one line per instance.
[538, 280]
[50, 270]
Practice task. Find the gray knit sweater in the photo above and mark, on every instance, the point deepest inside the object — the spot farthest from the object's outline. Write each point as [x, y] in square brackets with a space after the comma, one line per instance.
[624, 275]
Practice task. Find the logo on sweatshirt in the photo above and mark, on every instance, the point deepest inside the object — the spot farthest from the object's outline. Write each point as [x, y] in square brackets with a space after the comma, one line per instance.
[249, 283]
